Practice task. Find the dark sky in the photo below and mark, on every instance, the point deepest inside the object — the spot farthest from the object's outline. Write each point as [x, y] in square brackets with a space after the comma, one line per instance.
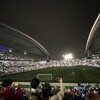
[61, 26]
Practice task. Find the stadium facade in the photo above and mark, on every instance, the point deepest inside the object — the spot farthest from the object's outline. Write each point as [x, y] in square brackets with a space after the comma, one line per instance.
[16, 44]
[93, 41]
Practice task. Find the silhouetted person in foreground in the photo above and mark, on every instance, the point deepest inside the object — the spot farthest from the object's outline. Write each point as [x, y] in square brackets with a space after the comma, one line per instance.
[10, 92]
[34, 94]
[47, 95]
[92, 96]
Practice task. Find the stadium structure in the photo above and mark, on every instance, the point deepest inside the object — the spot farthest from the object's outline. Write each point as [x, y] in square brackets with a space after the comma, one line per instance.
[16, 45]
[93, 42]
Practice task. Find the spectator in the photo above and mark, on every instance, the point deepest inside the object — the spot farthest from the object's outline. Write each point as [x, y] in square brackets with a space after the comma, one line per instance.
[10, 92]
[47, 95]
[92, 96]
[34, 93]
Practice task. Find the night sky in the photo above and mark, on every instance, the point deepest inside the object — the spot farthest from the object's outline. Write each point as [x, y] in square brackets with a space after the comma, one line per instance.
[61, 26]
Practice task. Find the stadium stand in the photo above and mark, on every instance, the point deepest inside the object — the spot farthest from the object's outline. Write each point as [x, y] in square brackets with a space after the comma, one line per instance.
[10, 67]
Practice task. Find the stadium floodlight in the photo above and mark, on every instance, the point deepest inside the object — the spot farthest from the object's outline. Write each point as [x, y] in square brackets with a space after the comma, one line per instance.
[25, 53]
[68, 56]
[10, 50]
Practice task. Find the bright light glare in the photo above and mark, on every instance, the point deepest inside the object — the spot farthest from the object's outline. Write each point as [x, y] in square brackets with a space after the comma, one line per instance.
[68, 56]
[10, 50]
[25, 53]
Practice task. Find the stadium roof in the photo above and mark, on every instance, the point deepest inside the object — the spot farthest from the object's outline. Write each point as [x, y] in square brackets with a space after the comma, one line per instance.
[17, 43]
[93, 42]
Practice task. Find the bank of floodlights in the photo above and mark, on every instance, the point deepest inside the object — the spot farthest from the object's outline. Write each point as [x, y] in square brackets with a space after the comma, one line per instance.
[68, 56]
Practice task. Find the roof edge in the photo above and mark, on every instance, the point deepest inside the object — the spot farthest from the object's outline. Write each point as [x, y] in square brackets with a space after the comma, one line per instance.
[92, 32]
[35, 42]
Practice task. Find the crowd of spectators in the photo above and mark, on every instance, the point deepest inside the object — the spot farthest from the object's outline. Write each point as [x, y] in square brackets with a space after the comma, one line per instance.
[9, 67]
[46, 92]
[69, 63]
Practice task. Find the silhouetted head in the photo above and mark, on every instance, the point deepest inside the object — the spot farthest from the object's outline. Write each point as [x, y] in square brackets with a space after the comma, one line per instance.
[7, 82]
[46, 90]
[34, 83]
